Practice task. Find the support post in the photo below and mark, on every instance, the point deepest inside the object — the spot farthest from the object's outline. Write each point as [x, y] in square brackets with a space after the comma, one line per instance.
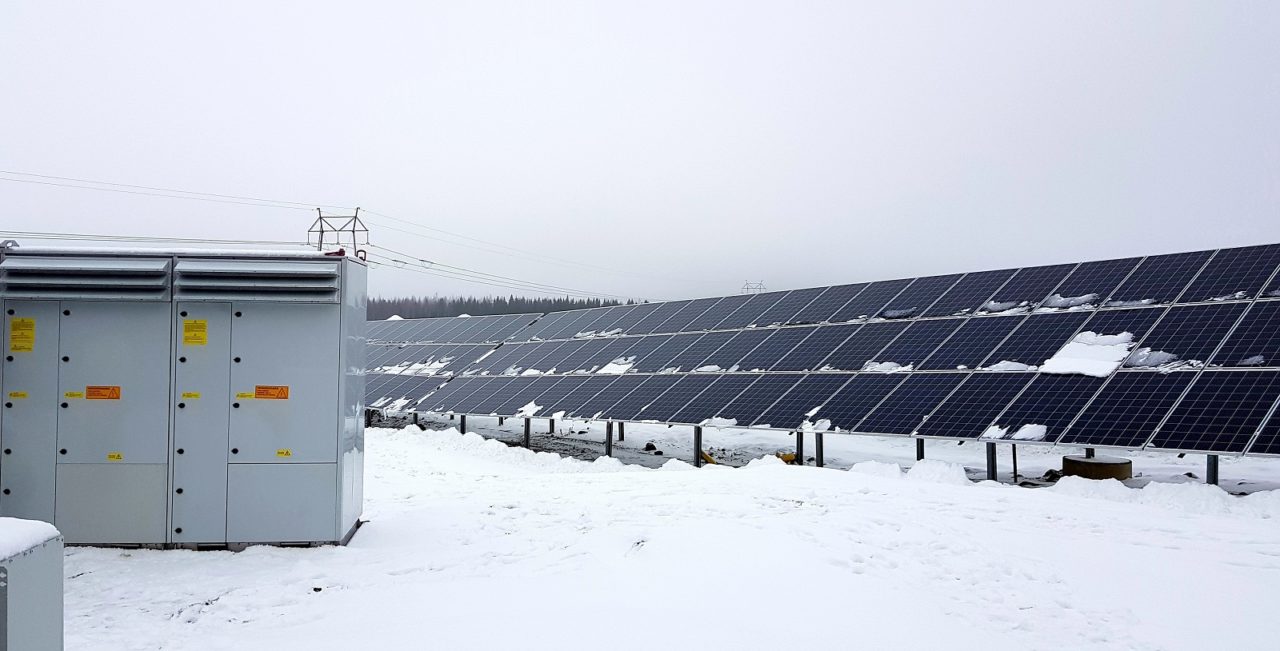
[919, 449]
[991, 461]
[817, 449]
[608, 439]
[551, 426]
[1089, 453]
[697, 446]
[462, 423]
[368, 418]
[799, 448]
[501, 420]
[622, 432]
[528, 427]
[1211, 470]
[1014, 451]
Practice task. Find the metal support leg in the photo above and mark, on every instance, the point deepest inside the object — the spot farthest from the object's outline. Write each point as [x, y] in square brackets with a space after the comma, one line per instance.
[697, 446]
[991, 461]
[817, 449]
[501, 420]
[1014, 451]
[919, 449]
[799, 448]
[1089, 453]
[622, 432]
[462, 423]
[1211, 470]
[528, 427]
[551, 426]
[608, 439]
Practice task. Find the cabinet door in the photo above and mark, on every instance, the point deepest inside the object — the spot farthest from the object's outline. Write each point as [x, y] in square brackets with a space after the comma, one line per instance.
[285, 386]
[201, 389]
[29, 420]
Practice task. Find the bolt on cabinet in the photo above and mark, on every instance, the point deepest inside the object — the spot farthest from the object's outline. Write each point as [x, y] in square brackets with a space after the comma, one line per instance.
[191, 401]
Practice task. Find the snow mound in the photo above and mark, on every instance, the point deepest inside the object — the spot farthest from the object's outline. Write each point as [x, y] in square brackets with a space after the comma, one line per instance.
[1090, 353]
[1058, 302]
[938, 472]
[887, 367]
[1006, 366]
[676, 465]
[618, 366]
[1030, 432]
[1190, 497]
[1158, 359]
[528, 410]
[395, 317]
[877, 469]
[475, 448]
[1256, 360]
[720, 422]
[709, 368]
[767, 461]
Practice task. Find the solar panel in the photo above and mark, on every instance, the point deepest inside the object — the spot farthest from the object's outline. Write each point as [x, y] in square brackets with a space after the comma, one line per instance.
[870, 301]
[1027, 288]
[970, 293]
[662, 356]
[903, 410]
[762, 393]
[729, 356]
[830, 301]
[968, 411]
[774, 348]
[1220, 412]
[1044, 409]
[1158, 279]
[816, 348]
[683, 319]
[610, 395]
[631, 405]
[1234, 274]
[1037, 338]
[1267, 442]
[972, 343]
[719, 393]
[805, 396]
[858, 397]
[657, 317]
[917, 342]
[1135, 321]
[918, 297]
[1128, 409]
[861, 348]
[1255, 342]
[789, 306]
[1186, 336]
[748, 314]
[691, 358]
[1091, 282]
[680, 393]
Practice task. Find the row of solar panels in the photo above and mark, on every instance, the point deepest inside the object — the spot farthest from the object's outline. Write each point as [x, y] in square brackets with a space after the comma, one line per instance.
[1218, 411]
[1194, 277]
[1163, 337]
[681, 378]
[456, 330]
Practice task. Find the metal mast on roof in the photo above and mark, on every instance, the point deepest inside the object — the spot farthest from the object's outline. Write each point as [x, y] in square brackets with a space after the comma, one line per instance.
[343, 229]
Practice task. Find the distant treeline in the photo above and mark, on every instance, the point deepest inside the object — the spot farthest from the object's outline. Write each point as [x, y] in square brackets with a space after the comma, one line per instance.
[433, 306]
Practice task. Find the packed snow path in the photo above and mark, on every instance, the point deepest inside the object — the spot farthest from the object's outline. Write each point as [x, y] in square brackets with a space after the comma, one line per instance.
[472, 544]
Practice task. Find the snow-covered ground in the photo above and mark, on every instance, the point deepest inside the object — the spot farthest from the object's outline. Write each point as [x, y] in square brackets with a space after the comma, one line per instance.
[472, 544]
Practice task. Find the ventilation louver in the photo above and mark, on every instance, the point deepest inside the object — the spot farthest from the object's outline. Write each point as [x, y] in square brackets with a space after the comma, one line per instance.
[215, 280]
[140, 279]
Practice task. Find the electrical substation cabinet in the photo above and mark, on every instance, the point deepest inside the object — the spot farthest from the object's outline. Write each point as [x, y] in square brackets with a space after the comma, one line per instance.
[183, 399]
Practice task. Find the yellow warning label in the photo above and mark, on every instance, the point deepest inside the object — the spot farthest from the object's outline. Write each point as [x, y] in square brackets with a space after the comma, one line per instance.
[17, 395]
[73, 394]
[102, 393]
[266, 392]
[195, 332]
[115, 456]
[190, 395]
[22, 335]
[284, 452]
[244, 395]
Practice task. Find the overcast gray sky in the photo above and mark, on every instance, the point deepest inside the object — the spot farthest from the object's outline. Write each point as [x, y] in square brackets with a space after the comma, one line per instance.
[687, 146]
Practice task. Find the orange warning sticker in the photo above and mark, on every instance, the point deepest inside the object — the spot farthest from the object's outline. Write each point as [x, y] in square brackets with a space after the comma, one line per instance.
[267, 392]
[102, 393]
[22, 335]
[115, 456]
[284, 452]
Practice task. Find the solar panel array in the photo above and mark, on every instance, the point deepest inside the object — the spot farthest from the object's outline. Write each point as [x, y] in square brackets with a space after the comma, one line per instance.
[1178, 352]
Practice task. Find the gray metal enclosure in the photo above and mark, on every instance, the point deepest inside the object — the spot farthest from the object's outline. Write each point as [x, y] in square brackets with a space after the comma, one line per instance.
[31, 594]
[183, 399]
